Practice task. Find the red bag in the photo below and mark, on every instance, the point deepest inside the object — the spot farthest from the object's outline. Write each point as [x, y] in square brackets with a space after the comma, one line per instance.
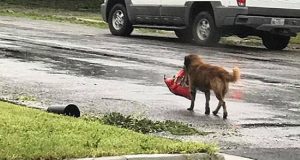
[177, 85]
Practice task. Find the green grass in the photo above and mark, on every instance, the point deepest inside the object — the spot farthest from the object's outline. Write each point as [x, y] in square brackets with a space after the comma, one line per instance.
[252, 40]
[74, 5]
[296, 40]
[249, 41]
[33, 134]
[25, 98]
[58, 15]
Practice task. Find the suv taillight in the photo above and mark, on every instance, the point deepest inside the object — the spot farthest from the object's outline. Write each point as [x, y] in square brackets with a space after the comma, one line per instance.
[241, 3]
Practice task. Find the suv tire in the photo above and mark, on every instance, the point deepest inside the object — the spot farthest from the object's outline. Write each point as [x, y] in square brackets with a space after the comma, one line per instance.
[118, 21]
[275, 42]
[204, 29]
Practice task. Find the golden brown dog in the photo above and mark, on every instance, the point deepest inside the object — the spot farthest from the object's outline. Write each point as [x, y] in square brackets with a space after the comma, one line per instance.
[206, 77]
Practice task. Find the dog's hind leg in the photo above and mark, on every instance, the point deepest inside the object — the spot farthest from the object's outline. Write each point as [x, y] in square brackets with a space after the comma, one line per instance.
[216, 86]
[215, 112]
[207, 97]
[225, 90]
[193, 93]
[221, 103]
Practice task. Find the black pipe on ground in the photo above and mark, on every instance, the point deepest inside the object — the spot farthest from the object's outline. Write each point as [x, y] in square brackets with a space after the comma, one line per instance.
[69, 110]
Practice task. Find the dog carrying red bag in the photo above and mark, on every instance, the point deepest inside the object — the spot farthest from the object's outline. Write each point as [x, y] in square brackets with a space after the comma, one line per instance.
[177, 85]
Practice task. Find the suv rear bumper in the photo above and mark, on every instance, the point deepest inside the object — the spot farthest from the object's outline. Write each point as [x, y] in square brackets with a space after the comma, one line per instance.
[258, 18]
[290, 26]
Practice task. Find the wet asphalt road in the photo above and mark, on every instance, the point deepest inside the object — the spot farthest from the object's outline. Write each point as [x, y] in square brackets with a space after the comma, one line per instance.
[64, 63]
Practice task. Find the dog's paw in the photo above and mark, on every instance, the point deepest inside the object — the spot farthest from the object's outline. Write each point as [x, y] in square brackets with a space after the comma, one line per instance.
[207, 112]
[225, 115]
[190, 109]
[215, 113]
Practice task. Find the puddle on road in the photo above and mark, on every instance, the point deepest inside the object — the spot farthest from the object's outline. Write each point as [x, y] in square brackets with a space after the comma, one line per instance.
[90, 66]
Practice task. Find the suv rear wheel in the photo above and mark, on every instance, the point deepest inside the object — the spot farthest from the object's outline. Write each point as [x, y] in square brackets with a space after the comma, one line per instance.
[275, 42]
[204, 29]
[118, 21]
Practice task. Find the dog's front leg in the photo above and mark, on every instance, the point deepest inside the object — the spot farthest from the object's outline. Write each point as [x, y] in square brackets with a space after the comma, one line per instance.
[207, 97]
[193, 94]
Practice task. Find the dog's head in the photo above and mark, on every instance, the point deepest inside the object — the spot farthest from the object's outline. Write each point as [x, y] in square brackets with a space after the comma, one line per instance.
[191, 60]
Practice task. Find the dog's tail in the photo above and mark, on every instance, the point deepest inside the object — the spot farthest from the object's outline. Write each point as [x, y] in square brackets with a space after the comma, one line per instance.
[235, 75]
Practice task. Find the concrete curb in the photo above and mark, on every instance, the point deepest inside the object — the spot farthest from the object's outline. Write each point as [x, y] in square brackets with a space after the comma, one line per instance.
[232, 157]
[197, 156]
